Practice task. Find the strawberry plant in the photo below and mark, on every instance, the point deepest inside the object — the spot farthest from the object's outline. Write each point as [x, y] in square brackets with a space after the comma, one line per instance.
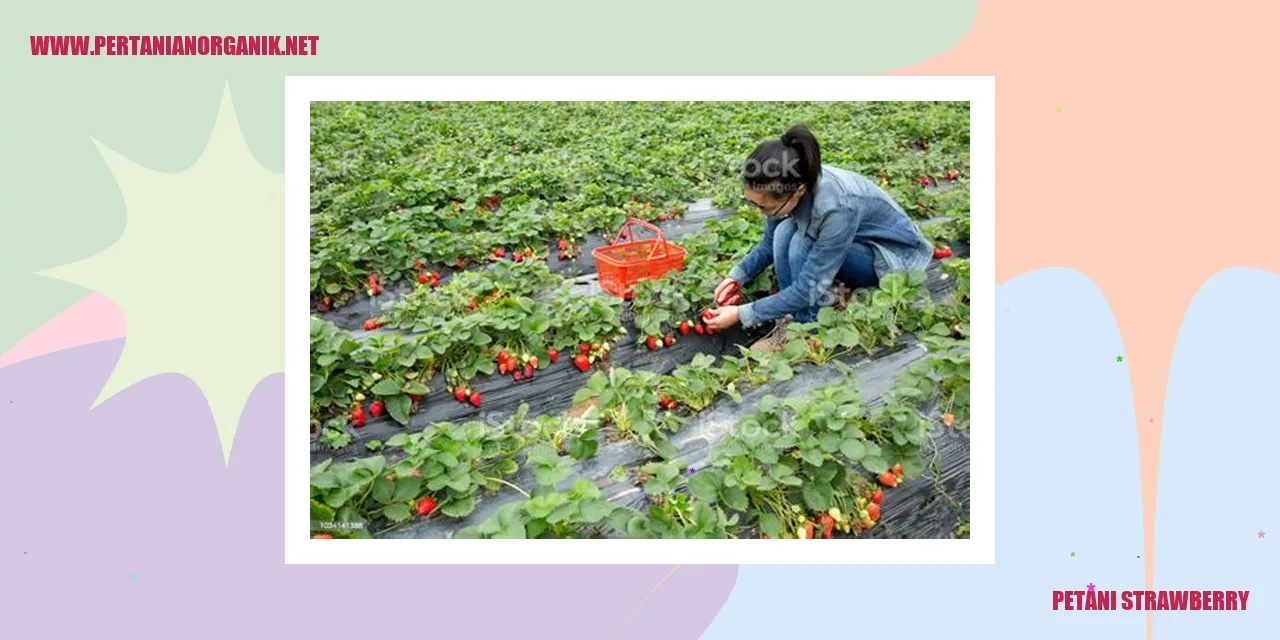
[335, 376]
[756, 367]
[628, 402]
[672, 512]
[695, 383]
[579, 512]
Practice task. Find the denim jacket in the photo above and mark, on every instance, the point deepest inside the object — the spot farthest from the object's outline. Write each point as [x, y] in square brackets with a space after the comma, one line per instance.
[844, 208]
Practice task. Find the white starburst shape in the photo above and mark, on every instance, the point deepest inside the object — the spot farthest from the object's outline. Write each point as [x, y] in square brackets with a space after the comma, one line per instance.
[198, 272]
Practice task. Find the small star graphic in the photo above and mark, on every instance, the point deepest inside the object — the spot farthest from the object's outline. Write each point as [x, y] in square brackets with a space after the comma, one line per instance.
[1073, 554]
[1119, 358]
[692, 470]
[1262, 534]
[1059, 109]
[1151, 420]
[133, 575]
[1090, 587]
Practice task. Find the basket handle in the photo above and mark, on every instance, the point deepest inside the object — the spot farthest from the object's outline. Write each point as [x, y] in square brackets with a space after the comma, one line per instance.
[627, 232]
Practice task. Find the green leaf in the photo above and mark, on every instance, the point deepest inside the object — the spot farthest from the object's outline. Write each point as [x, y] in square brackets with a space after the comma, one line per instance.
[735, 498]
[320, 512]
[398, 407]
[416, 388]
[875, 464]
[383, 489]
[770, 525]
[388, 386]
[396, 512]
[460, 508]
[407, 488]
[816, 496]
[704, 485]
[853, 449]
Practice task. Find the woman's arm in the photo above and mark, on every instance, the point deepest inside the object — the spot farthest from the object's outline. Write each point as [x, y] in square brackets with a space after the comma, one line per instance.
[760, 257]
[815, 277]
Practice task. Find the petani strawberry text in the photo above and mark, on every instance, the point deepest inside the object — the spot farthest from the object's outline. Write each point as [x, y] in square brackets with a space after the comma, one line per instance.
[1098, 600]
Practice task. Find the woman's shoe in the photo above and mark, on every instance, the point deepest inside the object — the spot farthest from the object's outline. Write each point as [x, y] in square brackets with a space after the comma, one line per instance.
[776, 338]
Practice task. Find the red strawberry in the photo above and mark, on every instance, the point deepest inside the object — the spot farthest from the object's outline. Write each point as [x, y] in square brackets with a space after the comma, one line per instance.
[322, 536]
[419, 265]
[896, 469]
[322, 307]
[702, 330]
[475, 398]
[562, 244]
[877, 496]
[499, 252]
[458, 264]
[924, 182]
[375, 409]
[668, 340]
[662, 217]
[423, 279]
[528, 253]
[518, 258]
[873, 510]
[471, 305]
[373, 279]
[528, 371]
[584, 348]
[683, 328]
[581, 362]
[941, 252]
[651, 343]
[828, 523]
[460, 394]
[503, 356]
[502, 368]
[808, 531]
[552, 354]
[517, 376]
[413, 397]
[370, 324]
[328, 300]
[888, 479]
[533, 361]
[357, 416]
[562, 256]
[426, 505]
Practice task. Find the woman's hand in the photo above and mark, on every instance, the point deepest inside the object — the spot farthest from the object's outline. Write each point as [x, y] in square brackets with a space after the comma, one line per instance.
[727, 292]
[723, 318]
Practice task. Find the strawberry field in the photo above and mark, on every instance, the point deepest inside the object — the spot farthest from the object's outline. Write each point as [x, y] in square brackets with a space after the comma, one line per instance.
[469, 377]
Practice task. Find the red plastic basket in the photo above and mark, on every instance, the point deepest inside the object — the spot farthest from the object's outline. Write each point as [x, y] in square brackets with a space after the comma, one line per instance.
[629, 260]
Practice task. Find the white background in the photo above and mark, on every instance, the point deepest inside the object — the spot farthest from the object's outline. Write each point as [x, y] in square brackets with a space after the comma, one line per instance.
[300, 549]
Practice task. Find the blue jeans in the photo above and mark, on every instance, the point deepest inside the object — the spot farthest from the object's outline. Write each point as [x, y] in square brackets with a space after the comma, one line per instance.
[790, 250]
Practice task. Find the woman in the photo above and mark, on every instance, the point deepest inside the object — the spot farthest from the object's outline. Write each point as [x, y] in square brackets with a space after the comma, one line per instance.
[822, 223]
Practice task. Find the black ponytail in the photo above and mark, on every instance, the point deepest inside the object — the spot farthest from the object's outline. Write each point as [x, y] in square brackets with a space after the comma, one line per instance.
[784, 164]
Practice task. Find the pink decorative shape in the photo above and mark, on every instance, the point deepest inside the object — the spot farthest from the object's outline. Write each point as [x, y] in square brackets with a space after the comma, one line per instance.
[93, 318]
